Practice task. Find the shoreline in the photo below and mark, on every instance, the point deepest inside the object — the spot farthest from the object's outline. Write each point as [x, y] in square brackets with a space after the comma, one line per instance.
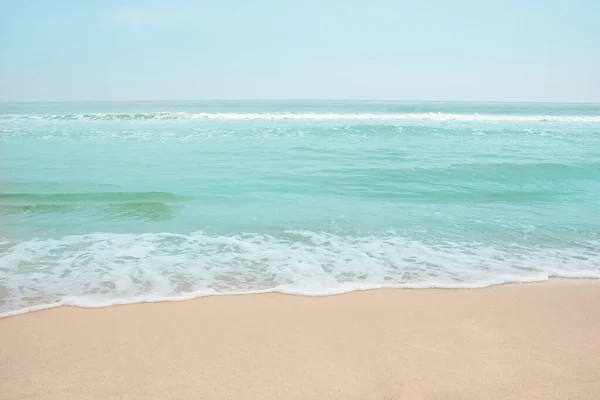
[200, 294]
[512, 341]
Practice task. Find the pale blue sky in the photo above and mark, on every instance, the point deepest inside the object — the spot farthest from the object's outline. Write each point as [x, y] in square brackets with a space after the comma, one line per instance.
[536, 50]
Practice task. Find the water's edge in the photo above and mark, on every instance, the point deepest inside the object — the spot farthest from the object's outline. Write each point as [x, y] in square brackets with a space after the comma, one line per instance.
[72, 302]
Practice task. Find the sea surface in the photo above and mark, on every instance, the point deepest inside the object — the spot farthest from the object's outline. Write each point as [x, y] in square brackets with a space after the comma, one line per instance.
[109, 203]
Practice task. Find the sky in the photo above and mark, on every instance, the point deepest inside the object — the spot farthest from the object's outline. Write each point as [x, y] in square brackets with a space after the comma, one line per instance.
[87, 50]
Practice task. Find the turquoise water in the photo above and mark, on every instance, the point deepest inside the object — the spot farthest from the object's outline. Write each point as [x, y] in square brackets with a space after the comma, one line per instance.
[106, 203]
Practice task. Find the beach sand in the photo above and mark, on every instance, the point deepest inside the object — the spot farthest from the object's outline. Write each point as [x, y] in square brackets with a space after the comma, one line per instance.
[528, 341]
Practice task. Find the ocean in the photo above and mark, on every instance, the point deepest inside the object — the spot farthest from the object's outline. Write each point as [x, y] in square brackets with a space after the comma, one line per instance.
[122, 202]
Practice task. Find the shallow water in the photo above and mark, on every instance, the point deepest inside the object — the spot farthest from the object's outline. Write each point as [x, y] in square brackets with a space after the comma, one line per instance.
[104, 203]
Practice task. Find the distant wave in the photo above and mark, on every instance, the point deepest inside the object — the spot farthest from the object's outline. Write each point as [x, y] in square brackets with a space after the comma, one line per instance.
[305, 117]
[150, 211]
[154, 206]
[104, 197]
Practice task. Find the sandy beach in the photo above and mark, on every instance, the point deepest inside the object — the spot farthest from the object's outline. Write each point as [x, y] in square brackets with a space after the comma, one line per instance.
[529, 341]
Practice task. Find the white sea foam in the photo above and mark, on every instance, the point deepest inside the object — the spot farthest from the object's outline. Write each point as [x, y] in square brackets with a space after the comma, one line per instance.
[431, 116]
[102, 269]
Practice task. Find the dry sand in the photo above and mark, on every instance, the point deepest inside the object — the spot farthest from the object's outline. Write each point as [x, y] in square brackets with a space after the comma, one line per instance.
[531, 341]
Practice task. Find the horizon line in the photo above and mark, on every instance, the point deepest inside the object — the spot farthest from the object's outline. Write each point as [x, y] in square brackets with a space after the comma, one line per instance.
[304, 100]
